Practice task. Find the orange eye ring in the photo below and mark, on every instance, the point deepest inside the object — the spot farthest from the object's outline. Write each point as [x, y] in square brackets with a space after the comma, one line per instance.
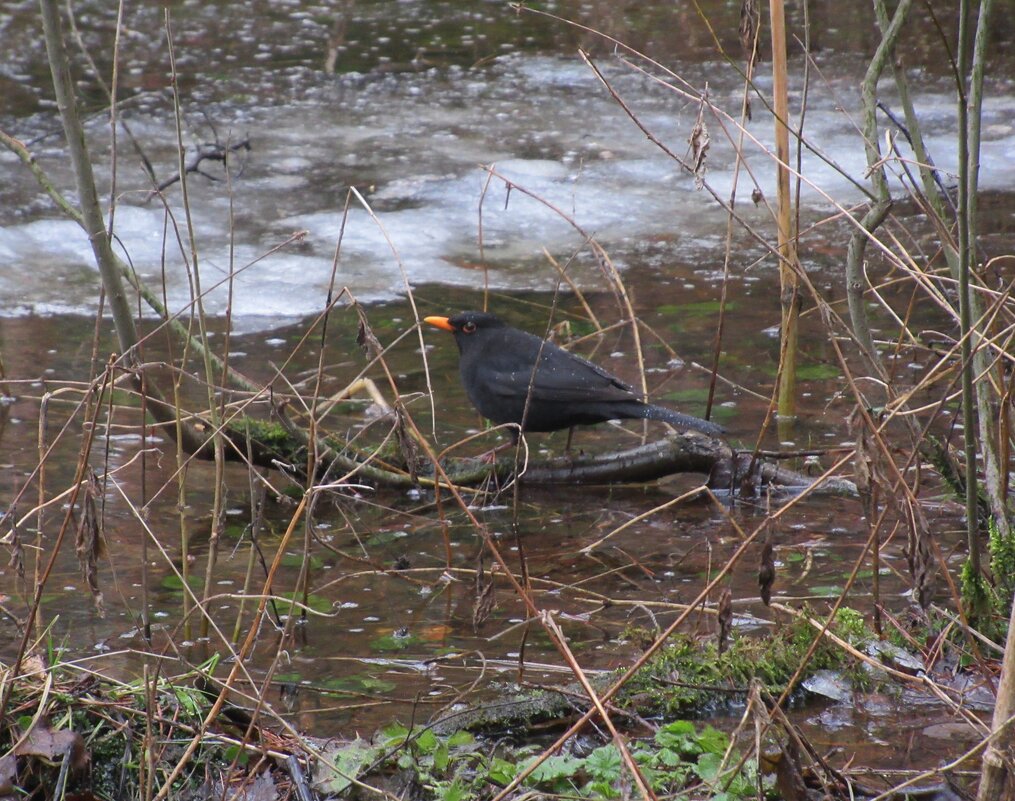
[469, 327]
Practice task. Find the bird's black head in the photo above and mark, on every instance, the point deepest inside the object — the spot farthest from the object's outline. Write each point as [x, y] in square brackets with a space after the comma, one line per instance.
[466, 323]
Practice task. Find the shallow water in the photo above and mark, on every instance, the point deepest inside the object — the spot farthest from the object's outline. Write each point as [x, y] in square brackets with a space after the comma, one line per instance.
[498, 88]
[391, 601]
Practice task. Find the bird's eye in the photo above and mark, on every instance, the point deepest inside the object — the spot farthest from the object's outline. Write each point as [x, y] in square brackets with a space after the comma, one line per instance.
[469, 327]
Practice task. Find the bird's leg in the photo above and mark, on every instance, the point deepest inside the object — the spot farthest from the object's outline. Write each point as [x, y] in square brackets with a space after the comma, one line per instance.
[490, 456]
[567, 447]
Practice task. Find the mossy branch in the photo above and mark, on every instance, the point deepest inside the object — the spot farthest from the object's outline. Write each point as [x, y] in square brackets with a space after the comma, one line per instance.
[273, 445]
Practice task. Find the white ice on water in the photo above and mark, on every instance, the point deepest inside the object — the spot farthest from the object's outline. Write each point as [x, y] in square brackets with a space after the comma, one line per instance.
[414, 145]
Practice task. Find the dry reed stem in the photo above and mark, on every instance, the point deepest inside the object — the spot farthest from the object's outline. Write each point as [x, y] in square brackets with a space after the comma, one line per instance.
[554, 630]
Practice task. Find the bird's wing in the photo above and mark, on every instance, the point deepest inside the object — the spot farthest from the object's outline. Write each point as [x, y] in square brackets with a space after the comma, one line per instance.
[562, 376]
[572, 381]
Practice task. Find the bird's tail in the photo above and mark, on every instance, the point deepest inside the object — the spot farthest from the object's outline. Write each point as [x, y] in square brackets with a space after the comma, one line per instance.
[684, 421]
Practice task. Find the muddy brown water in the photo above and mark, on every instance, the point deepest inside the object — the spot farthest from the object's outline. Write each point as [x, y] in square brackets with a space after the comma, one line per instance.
[390, 600]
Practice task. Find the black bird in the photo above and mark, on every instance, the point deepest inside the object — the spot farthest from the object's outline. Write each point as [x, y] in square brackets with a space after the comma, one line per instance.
[497, 361]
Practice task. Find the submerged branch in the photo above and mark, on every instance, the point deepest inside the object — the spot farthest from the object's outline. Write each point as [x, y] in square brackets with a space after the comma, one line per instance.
[283, 446]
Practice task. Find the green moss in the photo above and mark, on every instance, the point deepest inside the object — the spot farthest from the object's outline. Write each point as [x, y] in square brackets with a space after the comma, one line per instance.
[1002, 565]
[690, 676]
[261, 430]
[851, 625]
[975, 597]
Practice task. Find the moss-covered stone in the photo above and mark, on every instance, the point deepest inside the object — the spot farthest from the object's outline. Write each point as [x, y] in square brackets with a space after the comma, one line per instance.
[689, 677]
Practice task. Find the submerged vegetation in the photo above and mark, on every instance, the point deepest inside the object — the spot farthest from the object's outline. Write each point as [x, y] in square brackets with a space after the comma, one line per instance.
[590, 654]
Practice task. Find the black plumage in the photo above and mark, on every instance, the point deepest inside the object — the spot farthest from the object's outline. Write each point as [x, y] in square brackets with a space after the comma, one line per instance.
[496, 364]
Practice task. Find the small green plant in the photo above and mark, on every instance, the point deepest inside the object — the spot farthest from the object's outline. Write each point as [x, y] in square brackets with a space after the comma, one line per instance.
[851, 626]
[975, 595]
[454, 767]
[988, 605]
[1002, 565]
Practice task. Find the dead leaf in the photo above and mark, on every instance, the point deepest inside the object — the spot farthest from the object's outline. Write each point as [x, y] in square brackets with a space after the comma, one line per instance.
[8, 774]
[750, 20]
[53, 744]
[725, 617]
[262, 788]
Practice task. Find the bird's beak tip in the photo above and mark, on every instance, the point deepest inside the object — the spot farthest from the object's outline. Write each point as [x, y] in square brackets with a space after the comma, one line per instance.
[439, 322]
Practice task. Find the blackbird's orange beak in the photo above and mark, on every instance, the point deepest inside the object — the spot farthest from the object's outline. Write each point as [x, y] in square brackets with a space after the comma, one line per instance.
[439, 322]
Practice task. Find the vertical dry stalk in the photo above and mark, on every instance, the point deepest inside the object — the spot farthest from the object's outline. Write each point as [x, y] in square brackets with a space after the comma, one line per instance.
[750, 27]
[967, 232]
[40, 519]
[91, 213]
[935, 196]
[997, 772]
[789, 295]
[91, 219]
[194, 274]
[856, 280]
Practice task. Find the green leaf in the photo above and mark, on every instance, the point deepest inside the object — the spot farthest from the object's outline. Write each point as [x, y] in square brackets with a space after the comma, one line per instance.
[707, 767]
[456, 791]
[671, 759]
[701, 308]
[317, 603]
[677, 736]
[349, 759]
[601, 789]
[381, 538]
[743, 784]
[689, 395]
[604, 763]
[394, 734]
[555, 768]
[390, 642]
[296, 560]
[817, 372]
[712, 741]
[240, 755]
[501, 771]
[359, 683]
[651, 776]
[174, 583]
[441, 757]
[190, 699]
[460, 738]
[427, 742]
